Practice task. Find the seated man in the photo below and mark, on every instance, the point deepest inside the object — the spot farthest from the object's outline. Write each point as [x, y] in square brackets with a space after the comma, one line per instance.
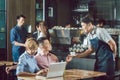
[44, 57]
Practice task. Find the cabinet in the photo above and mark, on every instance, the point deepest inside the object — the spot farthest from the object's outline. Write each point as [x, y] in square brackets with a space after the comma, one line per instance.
[117, 16]
[117, 9]
[81, 63]
[80, 9]
[40, 10]
[3, 30]
[107, 9]
[46, 11]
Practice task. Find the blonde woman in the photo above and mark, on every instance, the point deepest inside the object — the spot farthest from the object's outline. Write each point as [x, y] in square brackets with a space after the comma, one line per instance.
[27, 62]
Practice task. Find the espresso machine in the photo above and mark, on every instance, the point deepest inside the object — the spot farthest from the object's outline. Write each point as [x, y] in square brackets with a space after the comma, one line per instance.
[62, 40]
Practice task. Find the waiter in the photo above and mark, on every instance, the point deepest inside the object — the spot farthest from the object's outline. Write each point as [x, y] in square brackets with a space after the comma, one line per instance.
[100, 42]
[18, 35]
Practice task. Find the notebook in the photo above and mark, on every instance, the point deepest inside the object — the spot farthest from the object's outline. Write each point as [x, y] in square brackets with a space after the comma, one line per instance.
[55, 70]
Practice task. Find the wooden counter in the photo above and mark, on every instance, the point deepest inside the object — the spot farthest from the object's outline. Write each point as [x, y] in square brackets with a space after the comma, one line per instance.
[72, 74]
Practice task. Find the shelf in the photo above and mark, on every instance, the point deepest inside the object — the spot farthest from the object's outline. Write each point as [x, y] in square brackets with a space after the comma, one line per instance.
[40, 10]
[39, 14]
[81, 10]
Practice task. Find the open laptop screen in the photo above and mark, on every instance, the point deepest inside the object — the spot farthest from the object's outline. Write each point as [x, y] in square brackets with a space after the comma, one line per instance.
[56, 69]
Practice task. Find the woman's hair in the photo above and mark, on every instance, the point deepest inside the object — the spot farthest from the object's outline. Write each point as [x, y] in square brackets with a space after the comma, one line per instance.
[40, 23]
[43, 26]
[87, 19]
[31, 43]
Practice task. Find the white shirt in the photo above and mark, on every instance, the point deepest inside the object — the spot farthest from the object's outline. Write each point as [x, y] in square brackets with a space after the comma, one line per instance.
[41, 34]
[100, 33]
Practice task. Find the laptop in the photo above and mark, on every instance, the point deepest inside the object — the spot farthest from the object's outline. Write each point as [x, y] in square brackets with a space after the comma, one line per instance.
[55, 70]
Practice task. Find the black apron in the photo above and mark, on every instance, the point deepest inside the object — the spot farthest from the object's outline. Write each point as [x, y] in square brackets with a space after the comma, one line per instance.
[104, 58]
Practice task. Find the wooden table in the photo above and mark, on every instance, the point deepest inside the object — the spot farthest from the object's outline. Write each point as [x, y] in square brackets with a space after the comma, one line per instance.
[82, 74]
[7, 63]
[72, 74]
[3, 65]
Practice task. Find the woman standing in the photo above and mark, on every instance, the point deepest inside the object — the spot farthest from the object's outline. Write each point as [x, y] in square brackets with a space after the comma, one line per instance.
[41, 30]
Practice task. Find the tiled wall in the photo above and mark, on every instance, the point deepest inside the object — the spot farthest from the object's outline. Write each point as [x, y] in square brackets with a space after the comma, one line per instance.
[2, 24]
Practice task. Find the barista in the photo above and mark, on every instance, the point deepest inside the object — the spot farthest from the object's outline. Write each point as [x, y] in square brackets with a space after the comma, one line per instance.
[102, 44]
